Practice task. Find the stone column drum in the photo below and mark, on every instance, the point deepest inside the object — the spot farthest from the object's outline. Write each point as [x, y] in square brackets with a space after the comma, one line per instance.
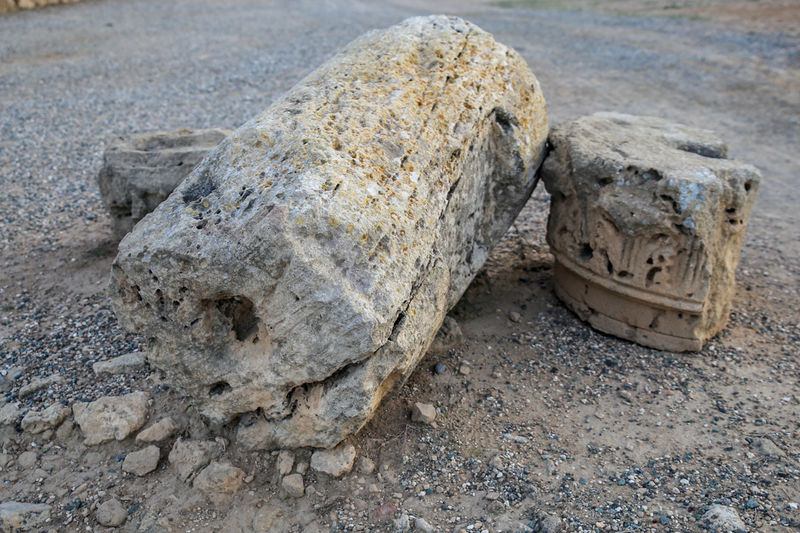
[303, 268]
[646, 223]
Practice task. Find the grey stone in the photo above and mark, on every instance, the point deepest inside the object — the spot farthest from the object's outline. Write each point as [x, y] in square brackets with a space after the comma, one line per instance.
[158, 432]
[38, 384]
[423, 412]
[129, 362]
[139, 171]
[111, 417]
[422, 525]
[293, 485]
[18, 516]
[48, 419]
[335, 462]
[546, 523]
[284, 462]
[402, 523]
[449, 336]
[721, 518]
[303, 268]
[365, 465]
[143, 461]
[27, 459]
[9, 414]
[111, 513]
[189, 456]
[646, 223]
[219, 481]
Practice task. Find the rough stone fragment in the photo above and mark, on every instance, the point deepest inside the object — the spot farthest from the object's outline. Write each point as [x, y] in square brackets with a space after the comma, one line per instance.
[27, 459]
[335, 462]
[301, 271]
[293, 485]
[449, 336]
[143, 461]
[189, 456]
[160, 431]
[111, 417]
[140, 171]
[646, 224]
[284, 462]
[723, 518]
[111, 513]
[9, 414]
[130, 362]
[423, 412]
[18, 516]
[219, 481]
[38, 384]
[50, 418]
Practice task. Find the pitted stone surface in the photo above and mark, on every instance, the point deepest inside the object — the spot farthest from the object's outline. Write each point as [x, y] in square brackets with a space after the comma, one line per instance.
[646, 225]
[139, 171]
[301, 271]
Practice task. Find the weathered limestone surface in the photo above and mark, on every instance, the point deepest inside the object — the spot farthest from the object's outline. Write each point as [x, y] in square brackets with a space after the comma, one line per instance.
[646, 225]
[139, 171]
[301, 271]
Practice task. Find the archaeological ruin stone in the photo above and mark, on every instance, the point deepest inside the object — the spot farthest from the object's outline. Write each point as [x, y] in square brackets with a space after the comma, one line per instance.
[646, 225]
[301, 271]
[139, 171]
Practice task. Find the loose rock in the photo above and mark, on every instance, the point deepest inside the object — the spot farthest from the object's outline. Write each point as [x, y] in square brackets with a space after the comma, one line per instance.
[646, 223]
[111, 417]
[143, 461]
[124, 363]
[189, 456]
[284, 462]
[38, 384]
[335, 462]
[420, 524]
[9, 414]
[365, 465]
[111, 513]
[158, 432]
[17, 516]
[219, 481]
[48, 419]
[723, 518]
[140, 171]
[423, 412]
[303, 268]
[27, 459]
[293, 485]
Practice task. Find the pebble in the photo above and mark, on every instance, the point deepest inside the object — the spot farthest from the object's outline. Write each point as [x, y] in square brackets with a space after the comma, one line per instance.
[111, 513]
[439, 368]
[420, 524]
[365, 465]
[27, 459]
[293, 485]
[143, 461]
[723, 518]
[423, 412]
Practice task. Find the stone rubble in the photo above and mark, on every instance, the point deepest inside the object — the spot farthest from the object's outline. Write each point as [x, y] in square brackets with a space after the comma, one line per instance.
[111, 417]
[119, 365]
[111, 513]
[189, 456]
[47, 419]
[158, 432]
[219, 481]
[142, 462]
[335, 462]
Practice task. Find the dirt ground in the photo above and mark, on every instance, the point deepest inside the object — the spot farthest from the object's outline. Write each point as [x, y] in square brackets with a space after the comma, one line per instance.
[538, 414]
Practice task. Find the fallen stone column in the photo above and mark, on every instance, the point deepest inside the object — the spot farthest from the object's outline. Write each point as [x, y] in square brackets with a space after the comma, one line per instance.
[139, 171]
[302, 269]
[646, 224]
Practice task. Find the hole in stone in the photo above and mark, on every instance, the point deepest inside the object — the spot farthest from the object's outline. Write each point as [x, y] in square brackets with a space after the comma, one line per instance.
[605, 181]
[586, 252]
[713, 152]
[220, 387]
[730, 210]
[255, 340]
[241, 313]
[651, 274]
[748, 185]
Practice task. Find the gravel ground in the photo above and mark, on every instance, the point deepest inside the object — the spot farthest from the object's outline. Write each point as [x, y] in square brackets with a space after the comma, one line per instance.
[547, 417]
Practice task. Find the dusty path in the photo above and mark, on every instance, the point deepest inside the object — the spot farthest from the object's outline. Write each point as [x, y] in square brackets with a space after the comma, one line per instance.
[553, 417]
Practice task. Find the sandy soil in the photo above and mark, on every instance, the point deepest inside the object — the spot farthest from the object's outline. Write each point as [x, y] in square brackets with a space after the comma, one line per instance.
[538, 413]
